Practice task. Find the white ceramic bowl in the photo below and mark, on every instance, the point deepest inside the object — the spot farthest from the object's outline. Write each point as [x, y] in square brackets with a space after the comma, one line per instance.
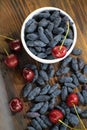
[47, 61]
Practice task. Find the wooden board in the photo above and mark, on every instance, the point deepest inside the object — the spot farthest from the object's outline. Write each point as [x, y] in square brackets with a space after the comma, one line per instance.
[12, 15]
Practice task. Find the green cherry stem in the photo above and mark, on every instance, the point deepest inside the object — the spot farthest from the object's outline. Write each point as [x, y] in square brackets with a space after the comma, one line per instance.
[7, 37]
[6, 52]
[68, 26]
[79, 117]
[67, 125]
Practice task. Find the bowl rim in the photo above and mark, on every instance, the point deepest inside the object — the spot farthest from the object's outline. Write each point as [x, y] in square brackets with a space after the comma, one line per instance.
[47, 61]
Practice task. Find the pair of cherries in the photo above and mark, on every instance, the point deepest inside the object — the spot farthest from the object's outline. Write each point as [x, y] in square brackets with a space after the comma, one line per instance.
[16, 104]
[12, 60]
[56, 115]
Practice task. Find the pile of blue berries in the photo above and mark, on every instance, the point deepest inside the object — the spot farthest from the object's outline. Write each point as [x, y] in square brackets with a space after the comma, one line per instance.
[44, 97]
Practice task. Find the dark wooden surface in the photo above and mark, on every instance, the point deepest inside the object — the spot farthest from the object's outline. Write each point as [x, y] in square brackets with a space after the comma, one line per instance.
[12, 15]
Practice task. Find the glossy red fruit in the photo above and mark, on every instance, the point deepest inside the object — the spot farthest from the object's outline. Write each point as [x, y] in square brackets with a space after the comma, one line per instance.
[72, 99]
[55, 115]
[15, 45]
[11, 61]
[28, 74]
[59, 52]
[16, 105]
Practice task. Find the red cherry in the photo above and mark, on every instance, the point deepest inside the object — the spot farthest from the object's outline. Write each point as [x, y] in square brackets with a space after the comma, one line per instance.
[16, 105]
[15, 45]
[72, 99]
[11, 61]
[28, 74]
[55, 115]
[59, 51]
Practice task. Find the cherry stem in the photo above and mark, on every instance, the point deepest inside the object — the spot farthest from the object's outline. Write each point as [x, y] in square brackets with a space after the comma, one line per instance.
[65, 35]
[67, 125]
[6, 37]
[6, 52]
[79, 117]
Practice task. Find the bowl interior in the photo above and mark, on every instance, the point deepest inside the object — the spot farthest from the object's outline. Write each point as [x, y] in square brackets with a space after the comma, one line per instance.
[30, 16]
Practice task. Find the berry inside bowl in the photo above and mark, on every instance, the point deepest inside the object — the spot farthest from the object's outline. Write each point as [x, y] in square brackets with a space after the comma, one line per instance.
[48, 35]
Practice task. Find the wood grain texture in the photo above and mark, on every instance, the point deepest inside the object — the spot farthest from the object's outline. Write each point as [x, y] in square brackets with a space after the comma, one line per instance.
[12, 15]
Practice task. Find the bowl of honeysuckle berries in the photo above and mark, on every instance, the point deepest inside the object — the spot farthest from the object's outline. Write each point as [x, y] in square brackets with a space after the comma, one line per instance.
[48, 35]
